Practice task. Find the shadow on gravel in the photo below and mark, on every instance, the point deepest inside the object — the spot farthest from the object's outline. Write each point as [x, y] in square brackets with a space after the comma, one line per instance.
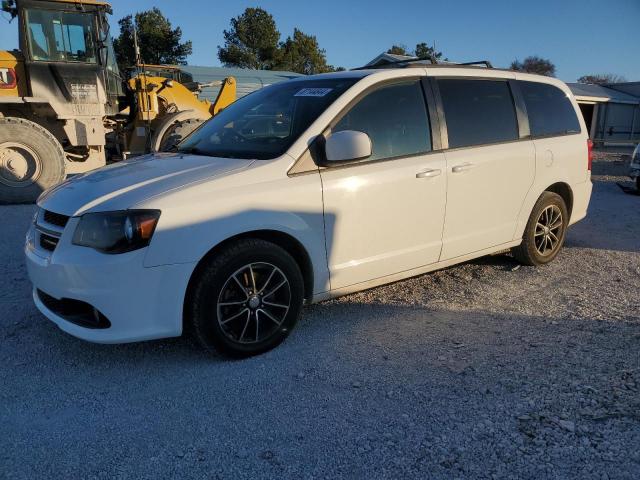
[611, 223]
[373, 389]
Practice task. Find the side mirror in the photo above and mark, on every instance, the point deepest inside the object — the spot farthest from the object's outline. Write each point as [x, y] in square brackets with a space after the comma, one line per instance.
[347, 145]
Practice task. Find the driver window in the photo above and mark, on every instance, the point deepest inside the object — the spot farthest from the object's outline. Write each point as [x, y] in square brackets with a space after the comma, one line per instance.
[394, 117]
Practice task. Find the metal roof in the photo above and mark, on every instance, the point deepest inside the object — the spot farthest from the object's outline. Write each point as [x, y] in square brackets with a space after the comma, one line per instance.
[599, 93]
[246, 80]
[389, 58]
[632, 88]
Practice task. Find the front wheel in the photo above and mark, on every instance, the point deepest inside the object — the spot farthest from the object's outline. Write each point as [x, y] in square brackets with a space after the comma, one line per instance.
[177, 132]
[545, 231]
[247, 299]
[31, 160]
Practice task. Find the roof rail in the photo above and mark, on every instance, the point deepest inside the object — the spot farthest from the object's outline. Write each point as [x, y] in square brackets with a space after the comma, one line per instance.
[486, 63]
[432, 59]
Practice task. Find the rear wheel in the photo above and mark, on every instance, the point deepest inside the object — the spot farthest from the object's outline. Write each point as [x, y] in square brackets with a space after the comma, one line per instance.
[545, 231]
[31, 160]
[247, 299]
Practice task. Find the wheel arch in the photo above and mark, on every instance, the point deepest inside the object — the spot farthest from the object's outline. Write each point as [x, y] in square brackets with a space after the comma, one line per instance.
[564, 190]
[282, 239]
[560, 187]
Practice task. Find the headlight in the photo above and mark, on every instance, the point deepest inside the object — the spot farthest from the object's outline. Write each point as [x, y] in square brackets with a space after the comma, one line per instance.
[116, 232]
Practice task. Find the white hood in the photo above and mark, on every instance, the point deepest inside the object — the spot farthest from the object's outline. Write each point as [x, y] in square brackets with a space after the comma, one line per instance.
[124, 184]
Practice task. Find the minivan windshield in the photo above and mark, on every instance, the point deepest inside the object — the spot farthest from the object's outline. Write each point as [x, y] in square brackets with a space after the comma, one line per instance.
[264, 124]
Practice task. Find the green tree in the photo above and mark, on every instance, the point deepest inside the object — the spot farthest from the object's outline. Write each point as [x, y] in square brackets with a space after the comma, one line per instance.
[302, 54]
[251, 42]
[602, 78]
[535, 64]
[398, 50]
[422, 50]
[425, 51]
[159, 42]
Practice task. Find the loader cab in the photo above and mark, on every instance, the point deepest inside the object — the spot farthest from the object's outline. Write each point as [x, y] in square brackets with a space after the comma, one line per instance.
[69, 54]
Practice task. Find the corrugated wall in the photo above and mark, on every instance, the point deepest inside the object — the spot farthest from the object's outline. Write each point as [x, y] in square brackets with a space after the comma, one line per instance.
[618, 123]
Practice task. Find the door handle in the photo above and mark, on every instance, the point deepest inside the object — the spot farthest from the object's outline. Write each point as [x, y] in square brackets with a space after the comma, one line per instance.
[430, 172]
[462, 167]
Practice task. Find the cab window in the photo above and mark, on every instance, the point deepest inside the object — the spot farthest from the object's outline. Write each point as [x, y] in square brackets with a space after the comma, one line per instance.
[394, 117]
[60, 36]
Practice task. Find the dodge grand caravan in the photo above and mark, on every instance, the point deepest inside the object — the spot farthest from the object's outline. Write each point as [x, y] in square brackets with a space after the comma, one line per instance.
[306, 190]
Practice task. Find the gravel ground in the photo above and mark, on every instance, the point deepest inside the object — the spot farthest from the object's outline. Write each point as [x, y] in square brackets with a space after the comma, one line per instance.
[483, 370]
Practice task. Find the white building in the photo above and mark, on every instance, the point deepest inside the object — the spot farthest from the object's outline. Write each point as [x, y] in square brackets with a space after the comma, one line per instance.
[611, 112]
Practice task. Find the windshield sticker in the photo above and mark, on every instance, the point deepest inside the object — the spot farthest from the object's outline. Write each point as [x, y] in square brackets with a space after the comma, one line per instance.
[313, 92]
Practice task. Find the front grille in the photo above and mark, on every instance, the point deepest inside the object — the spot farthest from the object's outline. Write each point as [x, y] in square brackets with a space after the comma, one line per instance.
[56, 219]
[75, 311]
[48, 242]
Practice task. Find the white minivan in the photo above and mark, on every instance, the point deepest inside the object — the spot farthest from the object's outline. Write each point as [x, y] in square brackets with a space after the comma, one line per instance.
[307, 190]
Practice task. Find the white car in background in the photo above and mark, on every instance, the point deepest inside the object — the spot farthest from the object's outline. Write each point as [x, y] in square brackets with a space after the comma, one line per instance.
[307, 190]
[634, 166]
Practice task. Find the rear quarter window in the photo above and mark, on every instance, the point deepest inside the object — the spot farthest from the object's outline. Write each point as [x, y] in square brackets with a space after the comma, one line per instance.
[549, 109]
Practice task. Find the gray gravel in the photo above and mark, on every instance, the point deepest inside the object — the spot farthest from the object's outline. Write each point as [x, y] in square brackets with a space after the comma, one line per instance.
[484, 370]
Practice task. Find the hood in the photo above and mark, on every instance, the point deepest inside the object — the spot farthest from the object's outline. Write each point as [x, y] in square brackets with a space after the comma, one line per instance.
[122, 185]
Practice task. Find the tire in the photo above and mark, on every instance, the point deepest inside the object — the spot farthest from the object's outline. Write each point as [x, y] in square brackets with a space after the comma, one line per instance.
[638, 183]
[231, 320]
[31, 160]
[178, 132]
[541, 242]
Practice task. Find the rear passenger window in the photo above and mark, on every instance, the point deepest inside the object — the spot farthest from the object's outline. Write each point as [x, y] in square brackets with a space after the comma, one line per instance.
[394, 117]
[550, 111]
[478, 112]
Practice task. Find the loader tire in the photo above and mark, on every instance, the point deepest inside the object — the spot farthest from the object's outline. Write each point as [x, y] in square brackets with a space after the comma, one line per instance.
[178, 132]
[31, 160]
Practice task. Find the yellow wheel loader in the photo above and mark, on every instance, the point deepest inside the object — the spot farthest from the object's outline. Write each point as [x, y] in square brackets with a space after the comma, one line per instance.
[65, 109]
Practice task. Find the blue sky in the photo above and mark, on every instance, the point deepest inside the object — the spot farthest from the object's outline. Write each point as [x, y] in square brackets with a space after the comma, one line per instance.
[579, 36]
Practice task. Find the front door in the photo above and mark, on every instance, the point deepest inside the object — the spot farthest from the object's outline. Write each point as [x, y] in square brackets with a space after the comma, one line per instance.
[384, 215]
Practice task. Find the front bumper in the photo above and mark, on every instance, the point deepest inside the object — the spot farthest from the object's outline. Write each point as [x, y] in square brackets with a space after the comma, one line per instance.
[139, 303]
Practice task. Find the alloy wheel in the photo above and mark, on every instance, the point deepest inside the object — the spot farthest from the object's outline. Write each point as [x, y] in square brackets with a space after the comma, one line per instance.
[548, 230]
[253, 303]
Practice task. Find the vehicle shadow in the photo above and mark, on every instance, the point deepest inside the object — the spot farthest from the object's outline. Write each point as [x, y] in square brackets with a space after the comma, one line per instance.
[350, 367]
[357, 333]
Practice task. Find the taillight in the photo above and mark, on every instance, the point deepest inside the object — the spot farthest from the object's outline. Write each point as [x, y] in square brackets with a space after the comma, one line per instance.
[589, 154]
[8, 78]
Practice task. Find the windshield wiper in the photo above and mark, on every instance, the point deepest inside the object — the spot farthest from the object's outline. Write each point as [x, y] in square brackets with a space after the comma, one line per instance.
[193, 151]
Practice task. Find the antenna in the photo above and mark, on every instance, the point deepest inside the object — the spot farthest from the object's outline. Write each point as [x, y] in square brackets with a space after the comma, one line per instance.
[142, 74]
